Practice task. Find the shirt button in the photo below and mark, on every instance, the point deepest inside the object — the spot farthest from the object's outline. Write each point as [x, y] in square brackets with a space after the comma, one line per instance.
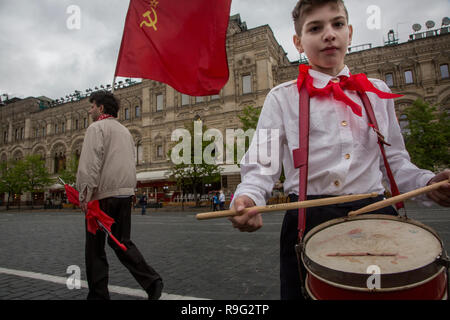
[344, 123]
[335, 80]
[336, 183]
[347, 156]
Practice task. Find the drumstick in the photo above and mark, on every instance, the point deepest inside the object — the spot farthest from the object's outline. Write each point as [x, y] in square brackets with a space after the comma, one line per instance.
[287, 206]
[399, 198]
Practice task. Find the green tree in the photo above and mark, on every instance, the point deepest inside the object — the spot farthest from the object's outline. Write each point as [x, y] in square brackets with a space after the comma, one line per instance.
[193, 172]
[249, 117]
[35, 175]
[427, 136]
[12, 179]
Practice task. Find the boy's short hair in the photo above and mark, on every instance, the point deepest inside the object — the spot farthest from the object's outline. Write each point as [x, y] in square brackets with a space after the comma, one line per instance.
[304, 7]
[108, 100]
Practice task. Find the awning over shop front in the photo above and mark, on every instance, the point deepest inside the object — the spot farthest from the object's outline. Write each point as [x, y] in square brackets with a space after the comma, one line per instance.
[153, 175]
[56, 186]
[165, 174]
[230, 169]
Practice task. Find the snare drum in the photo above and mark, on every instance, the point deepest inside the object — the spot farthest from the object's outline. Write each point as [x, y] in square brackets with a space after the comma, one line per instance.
[374, 257]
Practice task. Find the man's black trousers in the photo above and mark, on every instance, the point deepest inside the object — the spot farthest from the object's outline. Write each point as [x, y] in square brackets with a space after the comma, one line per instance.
[96, 263]
[289, 273]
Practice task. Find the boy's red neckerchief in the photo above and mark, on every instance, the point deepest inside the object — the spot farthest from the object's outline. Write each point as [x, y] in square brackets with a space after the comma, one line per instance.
[356, 82]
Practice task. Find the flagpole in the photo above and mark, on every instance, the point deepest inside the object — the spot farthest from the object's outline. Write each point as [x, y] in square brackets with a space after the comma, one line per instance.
[118, 54]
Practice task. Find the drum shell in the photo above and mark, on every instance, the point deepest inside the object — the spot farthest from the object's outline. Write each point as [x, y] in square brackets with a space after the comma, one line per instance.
[434, 289]
[428, 282]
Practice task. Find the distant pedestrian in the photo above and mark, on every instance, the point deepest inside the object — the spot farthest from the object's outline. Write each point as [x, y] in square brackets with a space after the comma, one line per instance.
[216, 202]
[143, 204]
[211, 200]
[222, 200]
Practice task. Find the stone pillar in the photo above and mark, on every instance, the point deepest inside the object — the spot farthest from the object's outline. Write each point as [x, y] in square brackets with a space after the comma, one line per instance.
[264, 75]
[146, 110]
[10, 132]
[27, 128]
[49, 129]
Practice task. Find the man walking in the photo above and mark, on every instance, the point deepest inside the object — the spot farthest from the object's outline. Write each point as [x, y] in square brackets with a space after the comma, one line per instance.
[107, 172]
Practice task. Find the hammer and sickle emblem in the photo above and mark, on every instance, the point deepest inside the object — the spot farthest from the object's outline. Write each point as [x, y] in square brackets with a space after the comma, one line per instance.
[151, 22]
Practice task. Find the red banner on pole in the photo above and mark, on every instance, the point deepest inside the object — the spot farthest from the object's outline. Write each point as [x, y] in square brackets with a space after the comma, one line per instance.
[179, 42]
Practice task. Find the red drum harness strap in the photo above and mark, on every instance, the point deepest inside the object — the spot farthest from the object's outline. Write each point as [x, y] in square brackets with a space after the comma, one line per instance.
[300, 155]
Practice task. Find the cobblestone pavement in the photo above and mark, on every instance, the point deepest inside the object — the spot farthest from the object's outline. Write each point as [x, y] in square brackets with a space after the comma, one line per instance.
[197, 259]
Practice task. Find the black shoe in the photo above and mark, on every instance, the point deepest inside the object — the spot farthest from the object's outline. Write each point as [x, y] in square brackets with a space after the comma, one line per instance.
[155, 290]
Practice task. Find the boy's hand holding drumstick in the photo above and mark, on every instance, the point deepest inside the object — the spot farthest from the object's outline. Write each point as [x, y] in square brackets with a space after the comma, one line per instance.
[249, 221]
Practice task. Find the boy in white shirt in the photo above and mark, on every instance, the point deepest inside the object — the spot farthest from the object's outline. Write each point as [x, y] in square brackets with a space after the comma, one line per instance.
[344, 157]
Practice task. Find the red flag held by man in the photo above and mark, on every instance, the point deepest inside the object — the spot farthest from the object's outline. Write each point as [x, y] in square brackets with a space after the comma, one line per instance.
[95, 217]
[178, 42]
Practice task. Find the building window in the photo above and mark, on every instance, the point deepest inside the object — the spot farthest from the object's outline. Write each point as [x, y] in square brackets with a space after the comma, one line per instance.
[184, 99]
[246, 84]
[444, 71]
[159, 151]
[409, 77]
[199, 99]
[36, 132]
[389, 79]
[76, 124]
[16, 134]
[60, 162]
[43, 131]
[215, 97]
[137, 111]
[139, 150]
[85, 123]
[224, 182]
[159, 102]
[22, 134]
[5, 136]
[63, 127]
[127, 114]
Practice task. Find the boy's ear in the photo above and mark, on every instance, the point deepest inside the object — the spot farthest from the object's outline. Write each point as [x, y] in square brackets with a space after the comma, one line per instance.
[350, 34]
[298, 43]
[101, 108]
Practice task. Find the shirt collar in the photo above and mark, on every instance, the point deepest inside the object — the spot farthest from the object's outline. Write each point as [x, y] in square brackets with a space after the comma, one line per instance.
[320, 80]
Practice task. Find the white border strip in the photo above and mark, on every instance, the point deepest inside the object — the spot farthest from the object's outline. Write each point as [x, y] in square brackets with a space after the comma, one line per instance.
[115, 289]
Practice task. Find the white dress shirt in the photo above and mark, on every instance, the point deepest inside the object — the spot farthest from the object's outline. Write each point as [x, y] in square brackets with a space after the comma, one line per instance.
[344, 156]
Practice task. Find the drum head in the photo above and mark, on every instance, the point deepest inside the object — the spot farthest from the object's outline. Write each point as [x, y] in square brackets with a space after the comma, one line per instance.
[352, 245]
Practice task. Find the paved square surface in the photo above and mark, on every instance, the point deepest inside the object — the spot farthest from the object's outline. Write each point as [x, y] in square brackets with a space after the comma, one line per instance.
[197, 259]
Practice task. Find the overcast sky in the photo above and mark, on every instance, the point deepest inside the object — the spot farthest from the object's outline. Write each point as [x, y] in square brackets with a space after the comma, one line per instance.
[41, 55]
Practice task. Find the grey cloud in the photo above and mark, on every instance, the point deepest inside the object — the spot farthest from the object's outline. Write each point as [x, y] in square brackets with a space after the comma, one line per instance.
[40, 56]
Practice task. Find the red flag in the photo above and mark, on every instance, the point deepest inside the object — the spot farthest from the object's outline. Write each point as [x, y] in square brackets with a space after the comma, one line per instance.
[178, 42]
[93, 214]
[72, 195]
[95, 217]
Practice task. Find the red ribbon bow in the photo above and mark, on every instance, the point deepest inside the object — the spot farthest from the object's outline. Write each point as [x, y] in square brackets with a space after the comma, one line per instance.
[357, 82]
